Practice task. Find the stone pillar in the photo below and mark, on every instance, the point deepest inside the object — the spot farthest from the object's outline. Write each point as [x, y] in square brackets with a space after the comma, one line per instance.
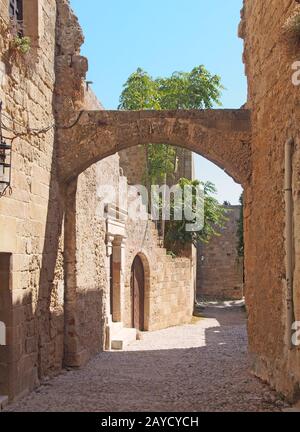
[74, 355]
[109, 251]
[118, 277]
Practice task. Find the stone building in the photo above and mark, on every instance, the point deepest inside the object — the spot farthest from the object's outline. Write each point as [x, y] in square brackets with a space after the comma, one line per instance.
[55, 242]
[61, 305]
[219, 267]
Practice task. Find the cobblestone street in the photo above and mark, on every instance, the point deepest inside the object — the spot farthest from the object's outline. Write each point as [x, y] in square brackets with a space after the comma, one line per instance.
[199, 367]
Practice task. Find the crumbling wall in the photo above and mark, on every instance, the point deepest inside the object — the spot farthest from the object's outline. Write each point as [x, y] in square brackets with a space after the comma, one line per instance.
[220, 269]
[268, 55]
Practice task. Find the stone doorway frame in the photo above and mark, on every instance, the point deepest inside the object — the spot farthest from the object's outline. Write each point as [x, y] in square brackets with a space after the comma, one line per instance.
[115, 247]
[147, 287]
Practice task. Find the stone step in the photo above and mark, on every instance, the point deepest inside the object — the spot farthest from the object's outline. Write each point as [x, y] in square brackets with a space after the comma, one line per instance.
[123, 338]
[3, 402]
[115, 328]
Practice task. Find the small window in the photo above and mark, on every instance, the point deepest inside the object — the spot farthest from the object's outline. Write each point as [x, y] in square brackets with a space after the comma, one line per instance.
[16, 15]
[27, 19]
[16, 10]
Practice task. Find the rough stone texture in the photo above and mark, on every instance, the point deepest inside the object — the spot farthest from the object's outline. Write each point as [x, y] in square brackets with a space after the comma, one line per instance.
[87, 292]
[220, 269]
[169, 290]
[43, 221]
[133, 164]
[222, 136]
[27, 217]
[274, 102]
[200, 367]
[58, 281]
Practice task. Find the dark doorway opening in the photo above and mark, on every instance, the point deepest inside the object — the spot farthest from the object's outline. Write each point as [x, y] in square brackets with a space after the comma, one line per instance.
[137, 293]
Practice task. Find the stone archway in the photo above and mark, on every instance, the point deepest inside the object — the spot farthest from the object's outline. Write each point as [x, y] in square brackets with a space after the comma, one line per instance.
[221, 136]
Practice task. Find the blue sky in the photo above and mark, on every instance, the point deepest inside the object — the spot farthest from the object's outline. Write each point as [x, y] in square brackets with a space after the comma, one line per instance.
[163, 36]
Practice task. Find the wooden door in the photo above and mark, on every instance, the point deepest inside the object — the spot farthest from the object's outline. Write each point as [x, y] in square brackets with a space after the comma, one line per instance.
[137, 293]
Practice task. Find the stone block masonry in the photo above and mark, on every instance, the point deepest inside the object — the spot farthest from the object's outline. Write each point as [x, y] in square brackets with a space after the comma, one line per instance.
[220, 269]
[57, 277]
[274, 101]
[57, 290]
[29, 229]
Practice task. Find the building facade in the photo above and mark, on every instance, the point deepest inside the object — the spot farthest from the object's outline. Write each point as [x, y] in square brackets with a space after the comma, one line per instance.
[55, 244]
[47, 326]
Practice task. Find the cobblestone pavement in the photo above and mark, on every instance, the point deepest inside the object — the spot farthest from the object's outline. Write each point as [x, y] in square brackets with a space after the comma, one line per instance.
[199, 367]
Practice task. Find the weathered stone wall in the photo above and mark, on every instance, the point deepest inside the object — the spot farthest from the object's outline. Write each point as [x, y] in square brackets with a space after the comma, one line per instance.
[220, 269]
[86, 281]
[91, 280]
[30, 219]
[133, 163]
[169, 287]
[273, 99]
[54, 296]
[36, 92]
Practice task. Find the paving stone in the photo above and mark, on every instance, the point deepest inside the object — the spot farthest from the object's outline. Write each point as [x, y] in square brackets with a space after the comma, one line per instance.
[197, 367]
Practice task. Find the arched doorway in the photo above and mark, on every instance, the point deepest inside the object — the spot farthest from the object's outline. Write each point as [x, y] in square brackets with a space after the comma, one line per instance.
[137, 293]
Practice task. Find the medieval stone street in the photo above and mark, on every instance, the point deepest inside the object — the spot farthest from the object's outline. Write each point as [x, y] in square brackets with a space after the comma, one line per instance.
[198, 367]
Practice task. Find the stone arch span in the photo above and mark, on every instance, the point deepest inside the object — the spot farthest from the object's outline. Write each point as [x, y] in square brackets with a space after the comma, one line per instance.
[221, 136]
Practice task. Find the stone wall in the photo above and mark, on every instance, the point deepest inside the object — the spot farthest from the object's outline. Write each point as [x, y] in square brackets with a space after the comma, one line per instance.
[169, 285]
[220, 269]
[274, 100]
[54, 281]
[30, 218]
[57, 276]
[133, 164]
[36, 92]
[90, 254]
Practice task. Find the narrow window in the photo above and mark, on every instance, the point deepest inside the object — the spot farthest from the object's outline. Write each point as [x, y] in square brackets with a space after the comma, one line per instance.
[16, 10]
[16, 15]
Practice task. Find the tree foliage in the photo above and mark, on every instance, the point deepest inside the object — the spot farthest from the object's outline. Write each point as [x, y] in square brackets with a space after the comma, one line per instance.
[197, 89]
[210, 212]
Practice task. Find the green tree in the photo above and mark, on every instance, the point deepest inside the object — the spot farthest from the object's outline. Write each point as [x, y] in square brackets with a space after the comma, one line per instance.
[197, 89]
[210, 212]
